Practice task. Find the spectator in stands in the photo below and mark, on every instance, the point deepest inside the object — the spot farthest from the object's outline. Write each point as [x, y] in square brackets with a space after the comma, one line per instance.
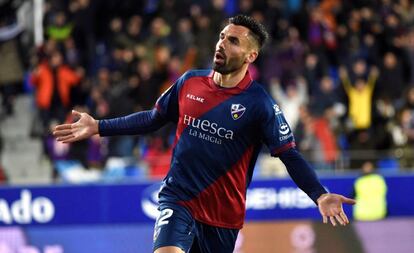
[12, 65]
[185, 38]
[114, 38]
[60, 29]
[360, 97]
[370, 191]
[403, 134]
[159, 35]
[313, 71]
[384, 113]
[408, 47]
[71, 53]
[325, 99]
[405, 10]
[369, 50]
[319, 141]
[359, 110]
[150, 83]
[83, 14]
[290, 100]
[392, 29]
[158, 156]
[408, 101]
[391, 83]
[121, 102]
[309, 143]
[132, 37]
[53, 81]
[204, 37]
[99, 94]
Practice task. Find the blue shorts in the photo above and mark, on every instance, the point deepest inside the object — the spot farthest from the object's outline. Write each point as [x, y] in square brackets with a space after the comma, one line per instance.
[176, 227]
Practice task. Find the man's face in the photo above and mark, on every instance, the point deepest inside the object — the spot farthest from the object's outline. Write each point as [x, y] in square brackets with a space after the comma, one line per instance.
[233, 49]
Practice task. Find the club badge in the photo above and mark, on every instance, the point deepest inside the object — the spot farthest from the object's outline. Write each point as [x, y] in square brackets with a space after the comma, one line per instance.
[237, 111]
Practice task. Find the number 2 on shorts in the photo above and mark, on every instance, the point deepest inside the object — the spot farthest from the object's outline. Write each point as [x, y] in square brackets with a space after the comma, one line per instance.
[165, 214]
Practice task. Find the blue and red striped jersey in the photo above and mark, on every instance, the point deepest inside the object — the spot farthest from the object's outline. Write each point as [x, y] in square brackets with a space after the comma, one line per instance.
[220, 132]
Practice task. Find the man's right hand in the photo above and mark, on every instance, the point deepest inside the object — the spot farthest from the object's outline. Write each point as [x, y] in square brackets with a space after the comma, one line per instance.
[85, 127]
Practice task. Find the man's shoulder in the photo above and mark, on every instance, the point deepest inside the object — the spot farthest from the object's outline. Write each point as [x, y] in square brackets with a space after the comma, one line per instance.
[262, 98]
[192, 73]
[196, 73]
[259, 90]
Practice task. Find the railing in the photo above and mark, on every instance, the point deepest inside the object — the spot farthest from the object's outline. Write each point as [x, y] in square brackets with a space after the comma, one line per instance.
[392, 159]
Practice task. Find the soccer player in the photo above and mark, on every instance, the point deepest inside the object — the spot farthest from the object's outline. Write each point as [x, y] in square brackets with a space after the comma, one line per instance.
[222, 118]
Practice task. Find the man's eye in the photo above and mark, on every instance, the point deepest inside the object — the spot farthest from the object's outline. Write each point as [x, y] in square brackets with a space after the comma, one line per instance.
[233, 41]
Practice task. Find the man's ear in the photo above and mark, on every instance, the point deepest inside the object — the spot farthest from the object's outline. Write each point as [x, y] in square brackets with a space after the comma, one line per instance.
[252, 56]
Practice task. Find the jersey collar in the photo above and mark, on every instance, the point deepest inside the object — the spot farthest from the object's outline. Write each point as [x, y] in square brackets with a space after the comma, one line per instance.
[241, 86]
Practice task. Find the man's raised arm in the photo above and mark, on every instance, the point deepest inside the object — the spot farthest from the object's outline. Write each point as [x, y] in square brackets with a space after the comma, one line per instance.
[86, 126]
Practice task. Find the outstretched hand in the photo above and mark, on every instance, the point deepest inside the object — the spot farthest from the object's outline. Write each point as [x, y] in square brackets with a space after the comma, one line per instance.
[330, 206]
[85, 127]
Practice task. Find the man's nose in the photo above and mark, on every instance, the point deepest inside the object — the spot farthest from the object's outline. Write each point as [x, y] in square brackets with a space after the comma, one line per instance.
[221, 44]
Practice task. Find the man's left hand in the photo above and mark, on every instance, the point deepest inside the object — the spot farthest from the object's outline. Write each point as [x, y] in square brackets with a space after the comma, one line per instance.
[330, 206]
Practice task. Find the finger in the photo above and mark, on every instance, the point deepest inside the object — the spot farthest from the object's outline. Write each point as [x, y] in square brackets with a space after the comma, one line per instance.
[69, 140]
[61, 133]
[325, 219]
[66, 139]
[344, 217]
[348, 200]
[60, 137]
[76, 113]
[340, 220]
[63, 127]
[332, 220]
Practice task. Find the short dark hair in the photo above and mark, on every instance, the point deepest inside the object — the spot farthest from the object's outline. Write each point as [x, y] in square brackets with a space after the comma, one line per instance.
[257, 30]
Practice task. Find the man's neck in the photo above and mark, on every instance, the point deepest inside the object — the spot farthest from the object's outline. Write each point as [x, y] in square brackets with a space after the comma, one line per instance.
[229, 80]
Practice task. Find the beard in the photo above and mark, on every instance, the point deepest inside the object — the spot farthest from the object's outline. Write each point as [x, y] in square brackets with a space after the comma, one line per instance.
[228, 67]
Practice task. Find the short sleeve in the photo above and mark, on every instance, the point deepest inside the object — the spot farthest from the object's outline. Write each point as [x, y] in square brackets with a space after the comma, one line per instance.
[276, 131]
[167, 103]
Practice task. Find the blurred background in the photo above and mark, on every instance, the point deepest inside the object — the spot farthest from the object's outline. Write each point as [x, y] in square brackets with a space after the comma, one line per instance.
[342, 71]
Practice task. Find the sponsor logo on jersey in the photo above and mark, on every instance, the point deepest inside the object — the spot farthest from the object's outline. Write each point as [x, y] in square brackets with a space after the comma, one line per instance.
[277, 109]
[237, 110]
[207, 130]
[195, 98]
[284, 129]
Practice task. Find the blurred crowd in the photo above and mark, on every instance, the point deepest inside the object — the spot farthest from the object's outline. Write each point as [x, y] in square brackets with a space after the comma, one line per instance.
[342, 72]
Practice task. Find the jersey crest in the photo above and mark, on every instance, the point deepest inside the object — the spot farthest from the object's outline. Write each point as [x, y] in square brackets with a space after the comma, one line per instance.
[237, 111]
